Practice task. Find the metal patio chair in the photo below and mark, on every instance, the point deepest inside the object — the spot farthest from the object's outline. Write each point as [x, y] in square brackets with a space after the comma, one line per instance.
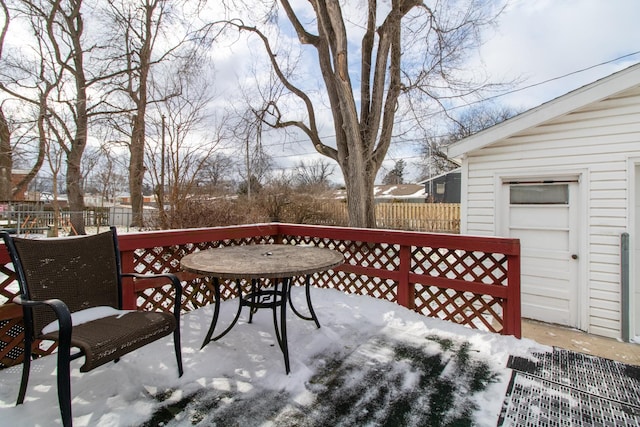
[70, 292]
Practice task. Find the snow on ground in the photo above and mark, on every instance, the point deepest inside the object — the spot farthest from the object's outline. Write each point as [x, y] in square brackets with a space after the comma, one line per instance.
[359, 368]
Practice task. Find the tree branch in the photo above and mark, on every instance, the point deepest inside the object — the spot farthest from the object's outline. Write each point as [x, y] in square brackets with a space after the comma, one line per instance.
[311, 130]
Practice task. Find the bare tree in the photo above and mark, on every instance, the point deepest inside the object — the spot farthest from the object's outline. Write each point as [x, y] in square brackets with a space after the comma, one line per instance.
[473, 120]
[395, 175]
[187, 138]
[106, 174]
[23, 145]
[147, 34]
[55, 81]
[137, 28]
[313, 174]
[67, 43]
[54, 155]
[257, 162]
[14, 84]
[70, 62]
[215, 174]
[478, 118]
[431, 41]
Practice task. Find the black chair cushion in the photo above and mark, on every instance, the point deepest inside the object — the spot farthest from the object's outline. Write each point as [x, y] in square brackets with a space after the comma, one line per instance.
[108, 338]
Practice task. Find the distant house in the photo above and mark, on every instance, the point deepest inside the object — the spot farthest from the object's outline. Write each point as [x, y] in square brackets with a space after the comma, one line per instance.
[564, 178]
[18, 175]
[125, 199]
[444, 188]
[409, 193]
[122, 215]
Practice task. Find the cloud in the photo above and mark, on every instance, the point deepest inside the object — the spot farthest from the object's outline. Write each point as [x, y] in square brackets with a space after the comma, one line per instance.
[542, 40]
[533, 41]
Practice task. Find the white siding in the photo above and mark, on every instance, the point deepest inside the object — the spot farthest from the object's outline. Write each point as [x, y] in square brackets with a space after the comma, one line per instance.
[598, 139]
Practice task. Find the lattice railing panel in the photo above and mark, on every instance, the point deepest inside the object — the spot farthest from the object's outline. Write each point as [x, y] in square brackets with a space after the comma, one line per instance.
[156, 299]
[382, 256]
[470, 266]
[465, 308]
[9, 288]
[12, 343]
[166, 259]
[12, 330]
[196, 292]
[357, 284]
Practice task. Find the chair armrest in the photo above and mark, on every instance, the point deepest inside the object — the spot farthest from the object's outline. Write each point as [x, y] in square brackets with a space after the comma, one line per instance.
[177, 307]
[61, 311]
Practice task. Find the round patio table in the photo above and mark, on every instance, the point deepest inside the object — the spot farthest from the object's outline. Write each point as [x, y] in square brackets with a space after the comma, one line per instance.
[277, 262]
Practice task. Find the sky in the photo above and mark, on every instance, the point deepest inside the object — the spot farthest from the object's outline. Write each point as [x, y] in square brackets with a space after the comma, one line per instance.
[546, 39]
[549, 46]
[240, 379]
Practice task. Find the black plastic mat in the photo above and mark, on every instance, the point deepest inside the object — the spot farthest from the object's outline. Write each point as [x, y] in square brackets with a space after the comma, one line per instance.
[565, 388]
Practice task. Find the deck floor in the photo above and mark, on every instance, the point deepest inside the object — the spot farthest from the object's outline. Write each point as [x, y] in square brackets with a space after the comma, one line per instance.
[581, 342]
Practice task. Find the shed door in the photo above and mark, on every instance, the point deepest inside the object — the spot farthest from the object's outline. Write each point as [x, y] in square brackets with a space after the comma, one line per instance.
[541, 215]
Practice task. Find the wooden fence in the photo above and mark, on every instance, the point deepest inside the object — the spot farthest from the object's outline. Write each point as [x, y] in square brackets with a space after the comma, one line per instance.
[430, 217]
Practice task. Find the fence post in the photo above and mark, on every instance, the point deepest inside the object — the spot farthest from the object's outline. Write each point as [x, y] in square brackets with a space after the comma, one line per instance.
[512, 309]
[128, 286]
[405, 294]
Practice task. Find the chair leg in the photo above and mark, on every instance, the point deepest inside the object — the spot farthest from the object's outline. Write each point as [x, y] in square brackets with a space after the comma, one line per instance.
[176, 344]
[26, 367]
[177, 308]
[64, 382]
[281, 328]
[253, 297]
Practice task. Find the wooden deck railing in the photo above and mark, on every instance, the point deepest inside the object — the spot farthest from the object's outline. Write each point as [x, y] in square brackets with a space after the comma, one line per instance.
[474, 281]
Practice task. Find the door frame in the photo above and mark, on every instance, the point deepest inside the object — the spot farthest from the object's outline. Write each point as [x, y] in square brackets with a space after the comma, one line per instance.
[580, 208]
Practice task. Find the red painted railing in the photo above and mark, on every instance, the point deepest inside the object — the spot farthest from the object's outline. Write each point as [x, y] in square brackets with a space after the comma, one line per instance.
[470, 280]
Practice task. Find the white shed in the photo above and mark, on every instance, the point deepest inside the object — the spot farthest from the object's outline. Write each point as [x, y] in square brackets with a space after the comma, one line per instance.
[564, 178]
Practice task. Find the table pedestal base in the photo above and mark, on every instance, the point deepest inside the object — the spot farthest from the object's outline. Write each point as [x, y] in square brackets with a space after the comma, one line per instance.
[264, 298]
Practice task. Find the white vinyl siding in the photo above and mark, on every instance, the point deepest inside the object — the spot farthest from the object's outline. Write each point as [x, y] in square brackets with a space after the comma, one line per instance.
[598, 139]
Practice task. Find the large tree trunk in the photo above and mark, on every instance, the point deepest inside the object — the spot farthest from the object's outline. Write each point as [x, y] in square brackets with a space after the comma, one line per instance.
[361, 142]
[136, 170]
[75, 26]
[6, 159]
[74, 162]
[74, 155]
[74, 191]
[139, 97]
[364, 125]
[359, 184]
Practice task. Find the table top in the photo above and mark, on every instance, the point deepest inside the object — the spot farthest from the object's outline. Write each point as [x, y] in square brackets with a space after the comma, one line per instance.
[261, 261]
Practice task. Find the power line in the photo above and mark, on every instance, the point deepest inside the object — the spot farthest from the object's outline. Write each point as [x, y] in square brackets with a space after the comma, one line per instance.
[509, 92]
[553, 79]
